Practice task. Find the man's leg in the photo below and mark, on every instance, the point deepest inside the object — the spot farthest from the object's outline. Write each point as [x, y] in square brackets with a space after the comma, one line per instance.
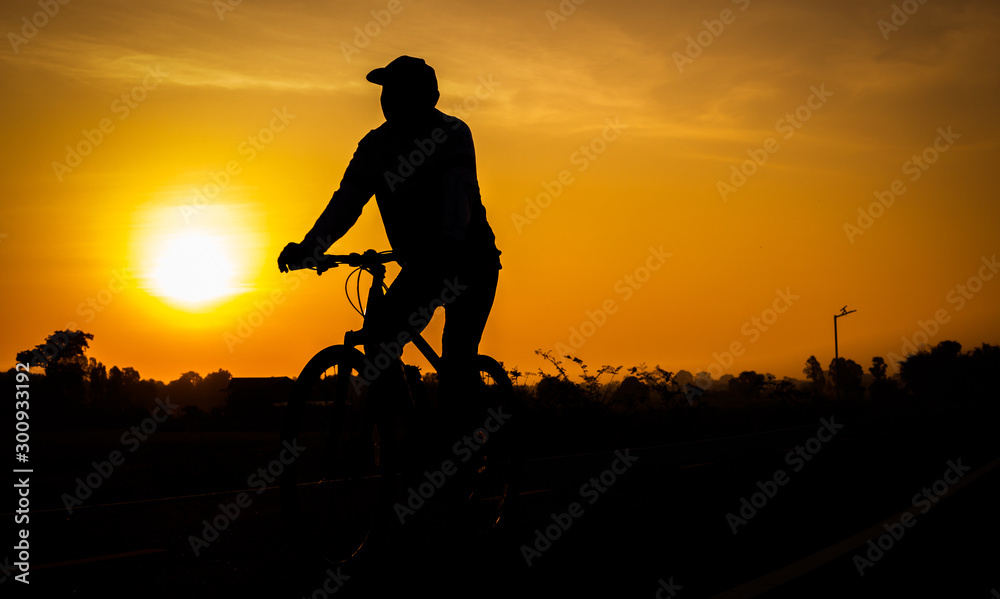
[465, 320]
[406, 310]
[408, 307]
[392, 322]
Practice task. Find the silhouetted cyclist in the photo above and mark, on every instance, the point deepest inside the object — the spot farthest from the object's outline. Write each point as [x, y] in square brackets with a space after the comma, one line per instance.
[421, 167]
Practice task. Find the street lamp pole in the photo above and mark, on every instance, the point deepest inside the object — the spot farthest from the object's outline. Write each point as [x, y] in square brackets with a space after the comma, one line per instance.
[836, 350]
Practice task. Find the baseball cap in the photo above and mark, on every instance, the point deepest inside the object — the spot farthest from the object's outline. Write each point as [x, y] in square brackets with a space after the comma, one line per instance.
[407, 71]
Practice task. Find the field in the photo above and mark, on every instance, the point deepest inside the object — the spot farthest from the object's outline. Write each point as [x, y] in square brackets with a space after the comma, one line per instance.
[821, 481]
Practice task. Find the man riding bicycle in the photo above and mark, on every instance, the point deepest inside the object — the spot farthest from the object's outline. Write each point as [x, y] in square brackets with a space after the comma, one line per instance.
[421, 167]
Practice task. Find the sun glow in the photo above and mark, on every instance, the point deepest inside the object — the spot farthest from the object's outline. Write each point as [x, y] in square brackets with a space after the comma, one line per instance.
[194, 269]
[197, 263]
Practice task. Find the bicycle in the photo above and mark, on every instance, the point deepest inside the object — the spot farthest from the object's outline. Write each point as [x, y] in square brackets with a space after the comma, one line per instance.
[349, 482]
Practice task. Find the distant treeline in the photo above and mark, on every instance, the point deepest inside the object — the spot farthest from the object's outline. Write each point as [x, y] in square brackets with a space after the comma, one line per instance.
[65, 384]
[941, 374]
[68, 385]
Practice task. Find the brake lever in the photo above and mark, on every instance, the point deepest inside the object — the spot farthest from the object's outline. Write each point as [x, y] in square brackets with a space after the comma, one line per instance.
[324, 265]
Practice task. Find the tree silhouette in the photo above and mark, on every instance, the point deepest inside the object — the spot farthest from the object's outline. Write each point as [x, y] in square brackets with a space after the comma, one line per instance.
[63, 356]
[210, 390]
[62, 349]
[945, 374]
[924, 373]
[126, 390]
[878, 369]
[683, 378]
[984, 366]
[557, 393]
[115, 390]
[703, 380]
[97, 384]
[748, 384]
[882, 387]
[660, 381]
[847, 376]
[814, 372]
[781, 391]
[182, 390]
[947, 351]
[631, 394]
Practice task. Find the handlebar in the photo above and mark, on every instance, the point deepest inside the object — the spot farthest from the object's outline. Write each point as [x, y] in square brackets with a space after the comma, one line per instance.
[368, 259]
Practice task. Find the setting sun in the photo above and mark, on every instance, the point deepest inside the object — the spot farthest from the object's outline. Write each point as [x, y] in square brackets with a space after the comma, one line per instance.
[194, 269]
[194, 260]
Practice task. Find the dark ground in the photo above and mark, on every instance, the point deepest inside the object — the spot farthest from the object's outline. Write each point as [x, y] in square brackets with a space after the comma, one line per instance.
[663, 519]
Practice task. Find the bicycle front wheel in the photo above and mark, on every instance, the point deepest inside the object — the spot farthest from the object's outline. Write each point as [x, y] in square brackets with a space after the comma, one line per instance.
[336, 494]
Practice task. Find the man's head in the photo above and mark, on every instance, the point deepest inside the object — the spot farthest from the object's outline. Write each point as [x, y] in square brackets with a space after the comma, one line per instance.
[409, 89]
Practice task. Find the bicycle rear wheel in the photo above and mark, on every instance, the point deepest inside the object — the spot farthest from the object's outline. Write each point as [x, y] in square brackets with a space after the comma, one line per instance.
[494, 470]
[337, 494]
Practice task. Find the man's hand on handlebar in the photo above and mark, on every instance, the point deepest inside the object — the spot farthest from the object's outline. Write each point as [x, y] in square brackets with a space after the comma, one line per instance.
[293, 254]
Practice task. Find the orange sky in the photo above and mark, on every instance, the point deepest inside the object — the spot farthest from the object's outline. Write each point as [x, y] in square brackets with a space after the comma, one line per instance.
[833, 105]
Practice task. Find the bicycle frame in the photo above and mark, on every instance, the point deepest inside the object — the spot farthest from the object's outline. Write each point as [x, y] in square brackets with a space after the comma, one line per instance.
[375, 296]
[374, 263]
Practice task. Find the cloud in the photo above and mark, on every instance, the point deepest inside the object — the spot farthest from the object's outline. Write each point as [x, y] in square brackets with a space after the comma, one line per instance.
[255, 47]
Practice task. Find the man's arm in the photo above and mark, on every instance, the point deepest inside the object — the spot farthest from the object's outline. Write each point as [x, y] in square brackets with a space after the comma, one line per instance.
[337, 218]
[344, 207]
[461, 186]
